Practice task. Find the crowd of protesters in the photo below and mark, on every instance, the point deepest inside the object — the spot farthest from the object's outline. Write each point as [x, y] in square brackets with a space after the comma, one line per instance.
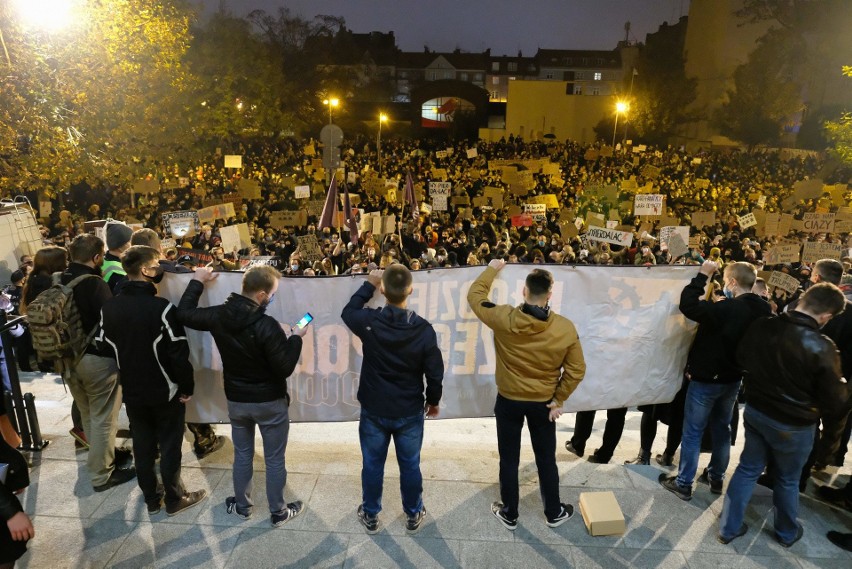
[469, 231]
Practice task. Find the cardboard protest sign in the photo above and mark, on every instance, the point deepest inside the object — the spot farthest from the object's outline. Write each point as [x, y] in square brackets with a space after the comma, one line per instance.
[537, 211]
[591, 154]
[612, 236]
[551, 169]
[568, 230]
[233, 198]
[783, 281]
[492, 192]
[460, 200]
[439, 203]
[302, 192]
[701, 219]
[146, 187]
[818, 222]
[440, 188]
[595, 219]
[702, 183]
[648, 204]
[813, 252]
[549, 200]
[696, 161]
[181, 223]
[783, 253]
[677, 246]
[785, 224]
[233, 161]
[668, 231]
[472, 153]
[235, 237]
[629, 185]
[288, 218]
[694, 242]
[214, 212]
[746, 221]
[439, 173]
[651, 172]
[843, 226]
[514, 210]
[249, 189]
[807, 189]
[310, 150]
[309, 248]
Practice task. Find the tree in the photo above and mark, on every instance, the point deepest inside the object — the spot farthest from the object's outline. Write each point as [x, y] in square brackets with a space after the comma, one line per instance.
[766, 95]
[840, 131]
[662, 91]
[101, 98]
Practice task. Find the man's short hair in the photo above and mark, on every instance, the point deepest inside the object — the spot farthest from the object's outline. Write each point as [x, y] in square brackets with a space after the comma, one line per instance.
[829, 270]
[85, 247]
[396, 280]
[260, 278]
[146, 236]
[743, 273]
[823, 298]
[539, 282]
[137, 257]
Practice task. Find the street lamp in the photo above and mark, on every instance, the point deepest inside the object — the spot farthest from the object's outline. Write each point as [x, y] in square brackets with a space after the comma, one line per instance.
[383, 118]
[331, 103]
[620, 108]
[47, 15]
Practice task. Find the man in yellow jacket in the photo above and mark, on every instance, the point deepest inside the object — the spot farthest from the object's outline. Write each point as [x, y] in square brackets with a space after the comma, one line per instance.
[539, 364]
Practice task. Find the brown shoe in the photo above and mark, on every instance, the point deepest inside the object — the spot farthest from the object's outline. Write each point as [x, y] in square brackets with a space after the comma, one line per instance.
[80, 440]
[187, 501]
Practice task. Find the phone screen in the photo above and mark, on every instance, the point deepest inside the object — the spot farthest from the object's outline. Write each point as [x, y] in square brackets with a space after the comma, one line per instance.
[306, 319]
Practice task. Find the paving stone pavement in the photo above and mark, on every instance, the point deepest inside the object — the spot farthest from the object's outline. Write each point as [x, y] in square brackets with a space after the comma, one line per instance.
[79, 528]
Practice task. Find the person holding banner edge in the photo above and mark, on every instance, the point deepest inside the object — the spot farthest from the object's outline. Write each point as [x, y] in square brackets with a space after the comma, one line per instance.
[539, 364]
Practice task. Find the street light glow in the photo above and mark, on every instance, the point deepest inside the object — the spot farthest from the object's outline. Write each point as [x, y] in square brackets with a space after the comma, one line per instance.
[333, 102]
[383, 117]
[621, 107]
[48, 15]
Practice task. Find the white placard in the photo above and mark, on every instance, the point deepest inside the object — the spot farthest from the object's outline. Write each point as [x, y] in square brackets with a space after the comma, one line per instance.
[648, 204]
[302, 192]
[233, 161]
[612, 236]
[746, 221]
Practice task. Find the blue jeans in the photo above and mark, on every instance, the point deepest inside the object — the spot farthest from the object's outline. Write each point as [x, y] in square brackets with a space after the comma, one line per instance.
[272, 418]
[375, 434]
[787, 446]
[706, 404]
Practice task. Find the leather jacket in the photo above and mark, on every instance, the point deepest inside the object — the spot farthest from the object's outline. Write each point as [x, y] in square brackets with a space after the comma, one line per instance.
[793, 372]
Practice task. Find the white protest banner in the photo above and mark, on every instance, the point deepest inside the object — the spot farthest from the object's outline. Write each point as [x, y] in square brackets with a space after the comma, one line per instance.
[472, 153]
[813, 252]
[783, 281]
[746, 221]
[233, 161]
[302, 192]
[634, 339]
[612, 236]
[247, 262]
[648, 204]
[818, 222]
[440, 188]
[439, 203]
[181, 223]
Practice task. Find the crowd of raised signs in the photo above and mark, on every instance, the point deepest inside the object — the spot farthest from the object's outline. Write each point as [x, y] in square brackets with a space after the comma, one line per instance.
[539, 202]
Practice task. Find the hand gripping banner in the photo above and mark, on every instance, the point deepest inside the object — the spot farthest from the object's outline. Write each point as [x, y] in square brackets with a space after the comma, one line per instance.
[634, 338]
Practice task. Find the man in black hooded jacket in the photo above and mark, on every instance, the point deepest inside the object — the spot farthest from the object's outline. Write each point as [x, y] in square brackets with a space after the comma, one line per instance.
[257, 358]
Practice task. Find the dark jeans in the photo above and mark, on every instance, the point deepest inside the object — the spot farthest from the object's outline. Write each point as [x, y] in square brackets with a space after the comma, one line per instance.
[375, 434]
[612, 431]
[204, 435]
[510, 417]
[162, 424]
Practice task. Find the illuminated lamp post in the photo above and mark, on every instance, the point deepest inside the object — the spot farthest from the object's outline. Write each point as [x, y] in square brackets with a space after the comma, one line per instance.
[331, 103]
[620, 108]
[383, 118]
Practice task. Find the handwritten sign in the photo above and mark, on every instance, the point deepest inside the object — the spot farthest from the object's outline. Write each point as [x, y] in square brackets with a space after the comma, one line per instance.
[648, 204]
[783, 253]
[783, 281]
[214, 212]
[440, 188]
[813, 252]
[818, 222]
[612, 236]
[181, 223]
[746, 221]
[302, 192]
[292, 218]
[701, 219]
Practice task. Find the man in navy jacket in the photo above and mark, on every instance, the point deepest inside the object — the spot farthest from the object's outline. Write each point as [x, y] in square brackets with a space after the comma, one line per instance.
[399, 349]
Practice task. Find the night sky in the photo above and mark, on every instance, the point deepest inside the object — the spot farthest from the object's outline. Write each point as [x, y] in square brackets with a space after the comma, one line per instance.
[505, 26]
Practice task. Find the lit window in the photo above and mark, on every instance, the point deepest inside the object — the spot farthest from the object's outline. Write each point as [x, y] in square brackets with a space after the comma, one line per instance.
[578, 89]
[495, 66]
[495, 80]
[598, 75]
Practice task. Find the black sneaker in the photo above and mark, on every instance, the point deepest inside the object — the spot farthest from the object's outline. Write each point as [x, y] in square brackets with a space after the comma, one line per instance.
[799, 533]
[123, 458]
[642, 458]
[231, 508]
[118, 476]
[413, 523]
[841, 540]
[715, 485]
[187, 501]
[726, 540]
[569, 446]
[497, 510]
[564, 516]
[834, 496]
[207, 450]
[594, 458]
[155, 504]
[370, 523]
[670, 484]
[292, 510]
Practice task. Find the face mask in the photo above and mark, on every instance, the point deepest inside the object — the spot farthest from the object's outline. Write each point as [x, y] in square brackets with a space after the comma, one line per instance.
[158, 275]
[473, 226]
[294, 268]
[541, 243]
[729, 294]
[268, 301]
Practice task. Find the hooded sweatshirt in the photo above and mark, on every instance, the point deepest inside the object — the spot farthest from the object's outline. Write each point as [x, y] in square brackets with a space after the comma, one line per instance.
[400, 348]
